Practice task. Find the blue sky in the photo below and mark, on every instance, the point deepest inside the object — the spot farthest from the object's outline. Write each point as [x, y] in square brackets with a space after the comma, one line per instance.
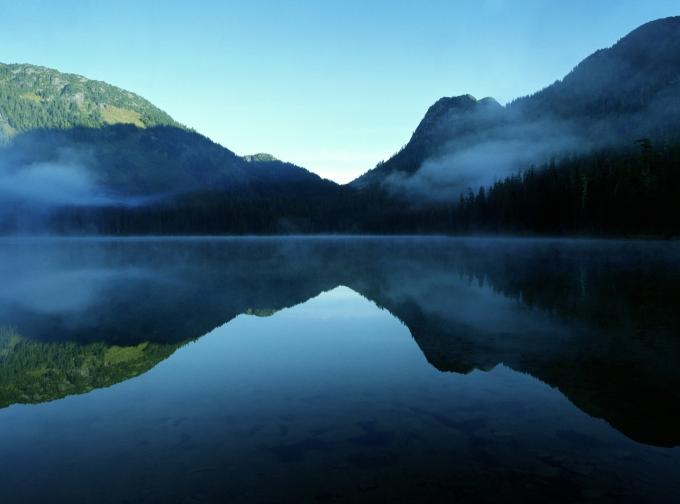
[334, 86]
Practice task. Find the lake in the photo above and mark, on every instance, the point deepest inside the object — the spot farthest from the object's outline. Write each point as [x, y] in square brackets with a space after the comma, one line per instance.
[334, 369]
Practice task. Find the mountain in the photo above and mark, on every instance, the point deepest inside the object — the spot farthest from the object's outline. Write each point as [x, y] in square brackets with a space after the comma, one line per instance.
[640, 74]
[460, 118]
[627, 91]
[34, 97]
[124, 160]
[615, 96]
[74, 143]
[594, 153]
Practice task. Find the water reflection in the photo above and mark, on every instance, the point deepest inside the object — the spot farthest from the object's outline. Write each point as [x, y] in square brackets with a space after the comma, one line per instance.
[302, 368]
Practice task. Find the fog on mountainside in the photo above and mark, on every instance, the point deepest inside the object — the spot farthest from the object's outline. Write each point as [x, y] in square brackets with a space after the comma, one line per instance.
[491, 144]
[609, 100]
[594, 153]
[77, 147]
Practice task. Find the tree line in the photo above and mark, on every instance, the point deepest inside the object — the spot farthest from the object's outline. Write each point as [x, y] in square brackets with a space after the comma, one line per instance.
[611, 192]
[632, 192]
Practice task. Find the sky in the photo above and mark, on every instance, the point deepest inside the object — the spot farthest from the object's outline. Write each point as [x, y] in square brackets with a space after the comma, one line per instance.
[334, 86]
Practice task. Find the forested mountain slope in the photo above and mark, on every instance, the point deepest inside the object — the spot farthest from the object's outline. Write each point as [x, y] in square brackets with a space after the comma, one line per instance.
[611, 99]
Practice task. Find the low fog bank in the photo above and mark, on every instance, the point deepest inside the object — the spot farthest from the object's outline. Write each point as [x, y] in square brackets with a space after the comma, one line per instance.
[62, 181]
[32, 191]
[480, 158]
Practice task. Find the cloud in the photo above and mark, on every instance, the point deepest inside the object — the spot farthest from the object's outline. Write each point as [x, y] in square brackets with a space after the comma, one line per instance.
[33, 192]
[63, 181]
[68, 179]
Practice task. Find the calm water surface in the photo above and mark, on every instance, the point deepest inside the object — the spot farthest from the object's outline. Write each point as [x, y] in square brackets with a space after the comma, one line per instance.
[339, 370]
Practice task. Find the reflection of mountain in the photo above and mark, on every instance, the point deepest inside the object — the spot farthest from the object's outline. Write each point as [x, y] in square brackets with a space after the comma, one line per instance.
[35, 372]
[595, 320]
[129, 292]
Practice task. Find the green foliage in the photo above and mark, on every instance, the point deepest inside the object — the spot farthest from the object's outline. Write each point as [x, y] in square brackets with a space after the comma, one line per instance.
[34, 97]
[117, 115]
[34, 371]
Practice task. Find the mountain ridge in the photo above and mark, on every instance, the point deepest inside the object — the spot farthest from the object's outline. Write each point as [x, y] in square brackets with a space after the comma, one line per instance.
[612, 97]
[33, 97]
[114, 144]
[110, 162]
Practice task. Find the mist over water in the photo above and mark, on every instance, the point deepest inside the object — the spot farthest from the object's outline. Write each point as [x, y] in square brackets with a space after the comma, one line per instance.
[367, 368]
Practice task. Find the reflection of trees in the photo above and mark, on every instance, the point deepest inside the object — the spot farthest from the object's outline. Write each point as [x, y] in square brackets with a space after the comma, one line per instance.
[34, 371]
[596, 320]
[604, 325]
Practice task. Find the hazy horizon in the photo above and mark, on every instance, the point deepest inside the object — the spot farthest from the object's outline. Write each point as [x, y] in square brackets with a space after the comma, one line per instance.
[337, 87]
